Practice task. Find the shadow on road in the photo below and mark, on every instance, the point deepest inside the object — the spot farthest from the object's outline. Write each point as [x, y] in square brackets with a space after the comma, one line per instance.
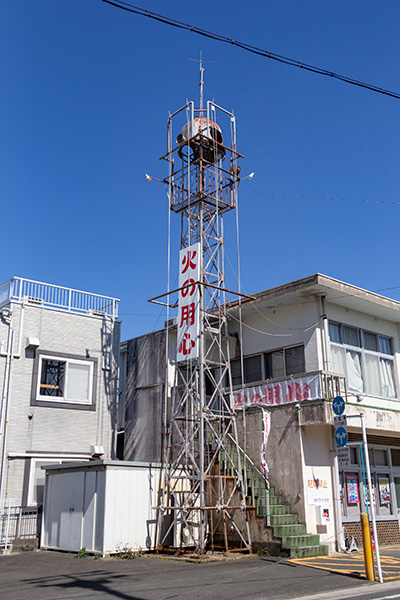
[95, 581]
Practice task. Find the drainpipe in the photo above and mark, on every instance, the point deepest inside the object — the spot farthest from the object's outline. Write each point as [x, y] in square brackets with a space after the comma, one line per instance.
[21, 327]
[115, 388]
[337, 509]
[5, 401]
[327, 347]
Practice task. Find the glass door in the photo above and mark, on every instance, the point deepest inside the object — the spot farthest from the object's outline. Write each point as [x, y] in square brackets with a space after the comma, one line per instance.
[397, 492]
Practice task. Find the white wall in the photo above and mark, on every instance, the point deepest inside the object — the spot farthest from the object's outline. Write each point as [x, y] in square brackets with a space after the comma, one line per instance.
[318, 480]
[57, 430]
[274, 328]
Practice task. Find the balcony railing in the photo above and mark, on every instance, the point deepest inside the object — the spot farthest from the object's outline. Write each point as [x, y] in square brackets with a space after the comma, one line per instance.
[47, 295]
[332, 385]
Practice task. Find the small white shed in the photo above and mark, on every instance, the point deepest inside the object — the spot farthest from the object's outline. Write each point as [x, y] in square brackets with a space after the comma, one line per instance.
[103, 506]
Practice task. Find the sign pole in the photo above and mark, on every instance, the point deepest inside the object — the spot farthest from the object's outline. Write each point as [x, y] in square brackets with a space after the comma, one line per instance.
[371, 500]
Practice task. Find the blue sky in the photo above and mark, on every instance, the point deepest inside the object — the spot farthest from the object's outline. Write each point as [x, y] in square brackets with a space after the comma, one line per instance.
[86, 92]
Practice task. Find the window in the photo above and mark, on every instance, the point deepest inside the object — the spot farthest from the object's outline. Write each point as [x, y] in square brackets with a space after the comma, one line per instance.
[236, 373]
[381, 457]
[271, 365]
[395, 452]
[385, 480]
[68, 380]
[366, 358]
[294, 360]
[350, 336]
[275, 364]
[353, 455]
[37, 477]
[288, 361]
[252, 370]
[350, 495]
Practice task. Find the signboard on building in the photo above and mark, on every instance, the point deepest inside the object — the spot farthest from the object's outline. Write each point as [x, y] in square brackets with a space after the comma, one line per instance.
[188, 344]
[340, 421]
[352, 489]
[282, 392]
[343, 455]
[318, 492]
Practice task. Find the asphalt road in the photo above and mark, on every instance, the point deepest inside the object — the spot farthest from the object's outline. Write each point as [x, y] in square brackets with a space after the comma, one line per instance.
[54, 575]
[353, 564]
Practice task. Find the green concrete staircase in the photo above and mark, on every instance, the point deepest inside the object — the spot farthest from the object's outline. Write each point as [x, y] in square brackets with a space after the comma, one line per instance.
[295, 541]
[293, 536]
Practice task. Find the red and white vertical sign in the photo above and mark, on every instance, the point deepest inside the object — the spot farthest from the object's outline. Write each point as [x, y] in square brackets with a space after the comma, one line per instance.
[266, 417]
[189, 303]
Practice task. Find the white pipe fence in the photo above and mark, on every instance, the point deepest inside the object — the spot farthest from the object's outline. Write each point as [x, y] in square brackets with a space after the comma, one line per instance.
[38, 293]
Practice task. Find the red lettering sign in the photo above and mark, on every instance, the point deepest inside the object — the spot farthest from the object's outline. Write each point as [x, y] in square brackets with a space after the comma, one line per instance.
[187, 314]
[188, 261]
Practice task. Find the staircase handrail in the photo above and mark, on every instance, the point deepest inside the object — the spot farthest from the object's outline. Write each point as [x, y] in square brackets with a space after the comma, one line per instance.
[248, 459]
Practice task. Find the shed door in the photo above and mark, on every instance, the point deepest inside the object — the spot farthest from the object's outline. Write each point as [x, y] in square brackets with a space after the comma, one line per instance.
[71, 513]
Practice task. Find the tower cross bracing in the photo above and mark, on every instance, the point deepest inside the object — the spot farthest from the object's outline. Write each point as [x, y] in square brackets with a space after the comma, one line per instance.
[203, 493]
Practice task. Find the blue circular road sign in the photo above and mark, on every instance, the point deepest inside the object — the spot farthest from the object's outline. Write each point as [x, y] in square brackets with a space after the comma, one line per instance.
[341, 436]
[338, 405]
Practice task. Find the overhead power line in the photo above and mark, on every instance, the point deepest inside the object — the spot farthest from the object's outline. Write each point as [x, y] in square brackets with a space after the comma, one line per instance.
[308, 197]
[248, 47]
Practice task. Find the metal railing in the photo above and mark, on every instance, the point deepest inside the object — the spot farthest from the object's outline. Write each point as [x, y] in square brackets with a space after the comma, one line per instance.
[332, 385]
[19, 522]
[47, 295]
[256, 482]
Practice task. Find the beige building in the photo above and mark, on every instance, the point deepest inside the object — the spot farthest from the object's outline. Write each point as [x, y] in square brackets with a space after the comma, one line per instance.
[300, 344]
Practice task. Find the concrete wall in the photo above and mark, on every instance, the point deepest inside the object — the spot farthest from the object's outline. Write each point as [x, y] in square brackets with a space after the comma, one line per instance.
[284, 452]
[58, 429]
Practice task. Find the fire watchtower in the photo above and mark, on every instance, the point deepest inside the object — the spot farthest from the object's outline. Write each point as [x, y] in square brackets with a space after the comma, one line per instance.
[203, 489]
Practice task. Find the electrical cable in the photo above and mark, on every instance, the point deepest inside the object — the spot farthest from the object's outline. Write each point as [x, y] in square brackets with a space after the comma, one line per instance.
[249, 48]
[259, 330]
[308, 197]
[254, 306]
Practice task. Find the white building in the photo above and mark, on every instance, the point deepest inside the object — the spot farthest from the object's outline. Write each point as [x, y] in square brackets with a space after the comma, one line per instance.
[58, 383]
[301, 344]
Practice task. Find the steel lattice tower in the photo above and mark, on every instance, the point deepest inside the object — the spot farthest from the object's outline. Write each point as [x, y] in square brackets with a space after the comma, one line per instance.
[203, 493]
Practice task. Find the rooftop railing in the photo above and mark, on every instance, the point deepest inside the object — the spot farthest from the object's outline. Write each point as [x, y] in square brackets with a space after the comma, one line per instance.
[47, 295]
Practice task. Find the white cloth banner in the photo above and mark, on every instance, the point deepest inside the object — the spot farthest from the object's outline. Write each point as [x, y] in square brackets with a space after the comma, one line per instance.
[266, 415]
[189, 303]
[282, 392]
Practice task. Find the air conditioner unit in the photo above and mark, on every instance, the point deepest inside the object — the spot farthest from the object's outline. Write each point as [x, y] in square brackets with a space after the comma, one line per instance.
[32, 343]
[96, 451]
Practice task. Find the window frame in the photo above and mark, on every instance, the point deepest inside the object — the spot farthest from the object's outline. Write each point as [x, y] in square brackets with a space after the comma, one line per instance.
[364, 354]
[236, 366]
[378, 472]
[285, 360]
[37, 399]
[31, 480]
